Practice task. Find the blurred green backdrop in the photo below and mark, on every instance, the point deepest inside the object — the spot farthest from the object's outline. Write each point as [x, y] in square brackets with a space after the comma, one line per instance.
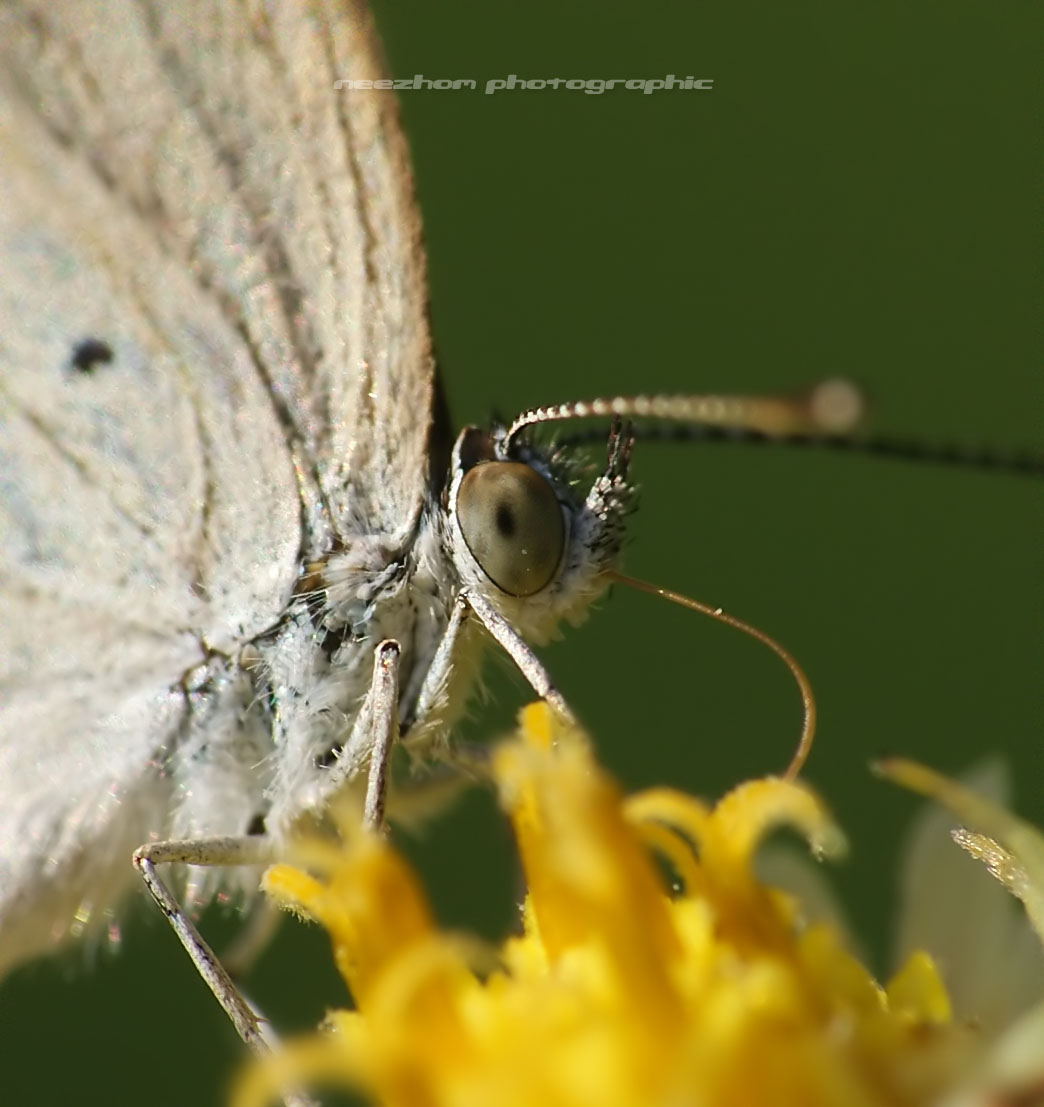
[856, 195]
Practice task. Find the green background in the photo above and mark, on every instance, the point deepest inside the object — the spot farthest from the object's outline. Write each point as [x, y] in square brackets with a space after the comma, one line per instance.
[856, 195]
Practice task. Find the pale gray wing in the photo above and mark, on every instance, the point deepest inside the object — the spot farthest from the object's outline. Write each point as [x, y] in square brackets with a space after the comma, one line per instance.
[211, 290]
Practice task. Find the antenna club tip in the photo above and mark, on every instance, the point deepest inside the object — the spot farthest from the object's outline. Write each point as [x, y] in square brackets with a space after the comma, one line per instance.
[837, 405]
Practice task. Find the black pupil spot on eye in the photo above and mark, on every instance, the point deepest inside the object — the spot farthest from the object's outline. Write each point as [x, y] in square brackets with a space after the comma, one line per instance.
[89, 354]
[256, 826]
[505, 520]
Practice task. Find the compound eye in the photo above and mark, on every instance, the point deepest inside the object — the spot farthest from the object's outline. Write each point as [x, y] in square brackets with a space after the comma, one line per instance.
[512, 522]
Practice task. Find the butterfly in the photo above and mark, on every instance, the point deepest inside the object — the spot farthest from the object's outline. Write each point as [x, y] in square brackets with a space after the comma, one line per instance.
[242, 556]
[224, 479]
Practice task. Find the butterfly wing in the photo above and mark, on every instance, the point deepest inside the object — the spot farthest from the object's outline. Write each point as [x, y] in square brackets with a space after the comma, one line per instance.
[212, 300]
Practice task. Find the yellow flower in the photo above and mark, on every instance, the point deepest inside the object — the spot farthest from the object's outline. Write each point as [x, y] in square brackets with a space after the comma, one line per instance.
[619, 992]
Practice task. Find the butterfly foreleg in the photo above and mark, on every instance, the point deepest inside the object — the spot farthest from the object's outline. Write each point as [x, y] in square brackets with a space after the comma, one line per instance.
[251, 1026]
[383, 705]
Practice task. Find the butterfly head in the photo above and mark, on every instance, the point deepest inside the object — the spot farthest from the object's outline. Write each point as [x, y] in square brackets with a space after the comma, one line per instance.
[528, 529]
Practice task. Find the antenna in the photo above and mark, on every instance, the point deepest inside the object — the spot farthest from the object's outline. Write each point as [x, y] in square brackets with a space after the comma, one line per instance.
[831, 407]
[823, 417]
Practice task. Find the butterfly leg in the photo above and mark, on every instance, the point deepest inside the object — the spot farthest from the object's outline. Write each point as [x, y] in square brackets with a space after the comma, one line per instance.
[384, 721]
[369, 746]
[251, 1027]
[381, 710]
[519, 651]
[513, 643]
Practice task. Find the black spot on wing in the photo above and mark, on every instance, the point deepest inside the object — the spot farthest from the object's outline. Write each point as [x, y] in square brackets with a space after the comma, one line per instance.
[89, 353]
